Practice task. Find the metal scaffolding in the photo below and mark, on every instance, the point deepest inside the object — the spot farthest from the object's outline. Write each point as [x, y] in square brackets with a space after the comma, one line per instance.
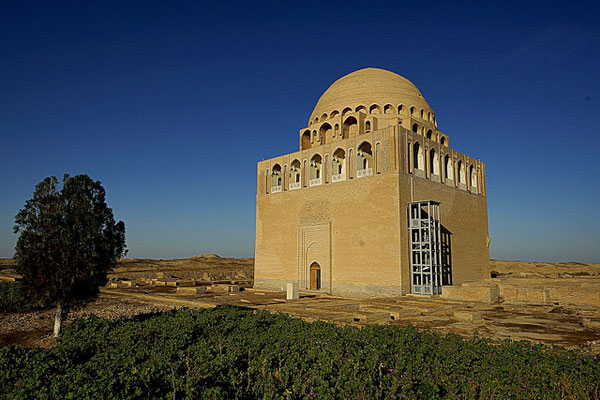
[424, 228]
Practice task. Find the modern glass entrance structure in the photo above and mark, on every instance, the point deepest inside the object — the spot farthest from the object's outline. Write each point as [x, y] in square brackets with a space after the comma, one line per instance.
[424, 230]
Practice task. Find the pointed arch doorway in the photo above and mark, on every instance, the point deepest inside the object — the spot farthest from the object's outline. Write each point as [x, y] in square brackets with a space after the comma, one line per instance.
[314, 257]
[315, 276]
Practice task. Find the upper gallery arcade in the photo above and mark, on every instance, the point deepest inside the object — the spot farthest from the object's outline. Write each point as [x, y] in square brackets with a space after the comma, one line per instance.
[367, 100]
[355, 106]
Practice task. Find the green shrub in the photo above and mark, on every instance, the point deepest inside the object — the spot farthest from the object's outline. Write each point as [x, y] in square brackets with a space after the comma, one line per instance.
[233, 353]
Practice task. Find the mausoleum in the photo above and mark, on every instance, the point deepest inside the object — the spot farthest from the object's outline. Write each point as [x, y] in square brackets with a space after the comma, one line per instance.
[375, 202]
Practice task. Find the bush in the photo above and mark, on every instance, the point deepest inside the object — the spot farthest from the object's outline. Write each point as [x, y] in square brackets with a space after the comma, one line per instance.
[233, 353]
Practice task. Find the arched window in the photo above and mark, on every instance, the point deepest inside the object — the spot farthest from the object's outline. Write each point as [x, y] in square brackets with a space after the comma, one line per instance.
[324, 117]
[338, 165]
[443, 141]
[315, 170]
[305, 142]
[461, 172]
[294, 175]
[336, 130]
[316, 120]
[388, 109]
[400, 108]
[429, 133]
[314, 137]
[473, 178]
[276, 179]
[325, 131]
[364, 160]
[422, 114]
[346, 111]
[418, 157]
[449, 171]
[374, 109]
[350, 127]
[415, 128]
[412, 111]
[434, 163]
[361, 109]
[428, 116]
[334, 114]
[367, 126]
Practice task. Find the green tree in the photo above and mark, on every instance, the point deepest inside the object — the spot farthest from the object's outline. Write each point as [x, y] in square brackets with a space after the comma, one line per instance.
[68, 242]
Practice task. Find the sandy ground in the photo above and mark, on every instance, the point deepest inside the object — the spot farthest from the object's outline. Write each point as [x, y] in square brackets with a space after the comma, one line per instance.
[524, 269]
[203, 266]
[559, 324]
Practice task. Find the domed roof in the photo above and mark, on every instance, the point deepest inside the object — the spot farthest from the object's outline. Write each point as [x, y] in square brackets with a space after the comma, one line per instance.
[369, 86]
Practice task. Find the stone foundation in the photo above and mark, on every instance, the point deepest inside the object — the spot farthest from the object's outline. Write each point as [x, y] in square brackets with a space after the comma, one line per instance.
[342, 289]
[480, 292]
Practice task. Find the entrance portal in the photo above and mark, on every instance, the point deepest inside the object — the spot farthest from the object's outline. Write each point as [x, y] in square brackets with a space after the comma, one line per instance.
[315, 276]
[314, 251]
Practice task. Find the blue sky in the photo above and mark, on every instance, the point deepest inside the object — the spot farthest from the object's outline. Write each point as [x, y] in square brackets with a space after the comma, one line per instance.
[171, 104]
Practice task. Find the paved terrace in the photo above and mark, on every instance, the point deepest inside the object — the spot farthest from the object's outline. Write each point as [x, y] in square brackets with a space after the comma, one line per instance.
[545, 323]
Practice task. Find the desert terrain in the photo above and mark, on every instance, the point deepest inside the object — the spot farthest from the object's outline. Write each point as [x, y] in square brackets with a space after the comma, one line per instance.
[566, 313]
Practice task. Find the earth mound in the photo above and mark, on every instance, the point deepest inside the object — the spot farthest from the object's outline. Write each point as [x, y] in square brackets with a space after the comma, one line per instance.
[209, 256]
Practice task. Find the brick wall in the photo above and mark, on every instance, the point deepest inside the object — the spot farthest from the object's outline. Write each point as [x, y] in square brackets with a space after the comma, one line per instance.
[356, 229]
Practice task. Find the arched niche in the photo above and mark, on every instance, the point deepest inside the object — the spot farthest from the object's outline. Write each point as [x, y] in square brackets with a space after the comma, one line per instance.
[305, 140]
[325, 132]
[448, 168]
[434, 162]
[338, 165]
[316, 170]
[375, 109]
[350, 127]
[461, 172]
[418, 161]
[364, 160]
[295, 175]
[276, 178]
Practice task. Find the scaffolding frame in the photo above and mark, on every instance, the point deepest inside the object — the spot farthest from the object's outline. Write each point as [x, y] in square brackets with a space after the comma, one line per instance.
[425, 240]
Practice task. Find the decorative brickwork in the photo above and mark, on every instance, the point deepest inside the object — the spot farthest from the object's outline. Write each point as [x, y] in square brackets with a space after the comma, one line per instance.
[314, 211]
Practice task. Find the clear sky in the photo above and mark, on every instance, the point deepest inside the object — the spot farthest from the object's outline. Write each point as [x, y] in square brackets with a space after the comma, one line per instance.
[171, 104]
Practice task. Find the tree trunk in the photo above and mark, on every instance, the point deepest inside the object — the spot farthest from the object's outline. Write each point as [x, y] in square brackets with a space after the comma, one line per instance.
[58, 319]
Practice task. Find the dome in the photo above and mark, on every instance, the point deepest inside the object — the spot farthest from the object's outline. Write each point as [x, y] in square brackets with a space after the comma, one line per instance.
[370, 86]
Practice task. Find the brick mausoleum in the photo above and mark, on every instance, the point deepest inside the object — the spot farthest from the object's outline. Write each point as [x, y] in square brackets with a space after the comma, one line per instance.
[375, 203]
